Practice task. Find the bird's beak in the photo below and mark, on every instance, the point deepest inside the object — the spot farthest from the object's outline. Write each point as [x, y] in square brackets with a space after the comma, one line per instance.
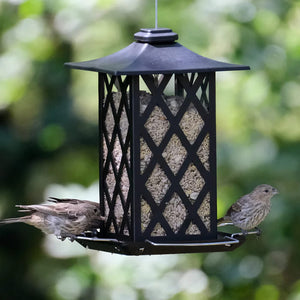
[275, 191]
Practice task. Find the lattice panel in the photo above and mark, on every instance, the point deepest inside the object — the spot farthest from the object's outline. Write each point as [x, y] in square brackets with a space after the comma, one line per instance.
[116, 155]
[175, 157]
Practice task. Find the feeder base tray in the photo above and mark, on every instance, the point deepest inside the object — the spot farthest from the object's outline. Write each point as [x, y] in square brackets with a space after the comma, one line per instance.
[224, 242]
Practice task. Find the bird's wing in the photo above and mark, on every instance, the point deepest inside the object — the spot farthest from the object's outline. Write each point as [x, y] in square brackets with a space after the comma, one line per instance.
[235, 207]
[44, 207]
[71, 201]
[26, 208]
[64, 200]
[69, 208]
[38, 207]
[238, 205]
[49, 210]
[72, 208]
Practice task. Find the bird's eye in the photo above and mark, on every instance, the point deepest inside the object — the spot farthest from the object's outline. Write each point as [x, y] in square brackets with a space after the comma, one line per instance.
[95, 210]
[266, 191]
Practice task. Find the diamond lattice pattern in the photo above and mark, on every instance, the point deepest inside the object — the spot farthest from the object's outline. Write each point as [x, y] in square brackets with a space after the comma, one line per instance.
[174, 154]
[116, 154]
[158, 184]
[191, 123]
[192, 182]
[157, 125]
[175, 212]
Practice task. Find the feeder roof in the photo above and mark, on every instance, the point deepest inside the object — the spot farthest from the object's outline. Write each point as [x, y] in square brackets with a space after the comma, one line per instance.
[154, 52]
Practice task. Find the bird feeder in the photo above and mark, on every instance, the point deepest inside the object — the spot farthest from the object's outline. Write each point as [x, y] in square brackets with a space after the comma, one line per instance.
[157, 133]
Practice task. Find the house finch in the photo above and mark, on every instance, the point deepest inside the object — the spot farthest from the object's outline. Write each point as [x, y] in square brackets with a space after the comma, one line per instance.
[65, 218]
[251, 209]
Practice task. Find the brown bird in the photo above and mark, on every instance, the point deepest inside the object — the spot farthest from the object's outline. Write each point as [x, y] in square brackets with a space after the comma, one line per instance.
[65, 218]
[251, 209]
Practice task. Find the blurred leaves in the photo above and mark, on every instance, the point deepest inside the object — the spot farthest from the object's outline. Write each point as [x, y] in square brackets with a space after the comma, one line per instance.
[48, 144]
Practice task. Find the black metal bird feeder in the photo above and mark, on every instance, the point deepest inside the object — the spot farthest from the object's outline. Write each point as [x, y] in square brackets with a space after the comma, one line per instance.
[157, 148]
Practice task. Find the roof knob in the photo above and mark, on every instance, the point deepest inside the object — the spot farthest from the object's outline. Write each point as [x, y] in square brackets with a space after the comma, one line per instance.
[156, 35]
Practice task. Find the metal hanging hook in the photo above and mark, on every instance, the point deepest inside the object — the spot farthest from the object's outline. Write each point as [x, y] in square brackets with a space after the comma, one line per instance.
[155, 14]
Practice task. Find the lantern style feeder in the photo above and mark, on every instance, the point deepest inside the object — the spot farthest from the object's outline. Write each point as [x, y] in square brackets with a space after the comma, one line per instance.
[157, 132]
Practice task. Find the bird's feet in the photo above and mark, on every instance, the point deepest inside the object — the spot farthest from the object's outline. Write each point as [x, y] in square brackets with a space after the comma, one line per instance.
[95, 232]
[258, 231]
[244, 232]
[60, 237]
[71, 237]
[91, 233]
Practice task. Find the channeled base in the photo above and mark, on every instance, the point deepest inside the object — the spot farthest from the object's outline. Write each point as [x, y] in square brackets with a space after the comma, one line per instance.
[224, 242]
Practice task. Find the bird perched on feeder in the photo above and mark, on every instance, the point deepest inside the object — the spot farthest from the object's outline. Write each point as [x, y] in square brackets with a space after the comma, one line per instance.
[64, 218]
[251, 209]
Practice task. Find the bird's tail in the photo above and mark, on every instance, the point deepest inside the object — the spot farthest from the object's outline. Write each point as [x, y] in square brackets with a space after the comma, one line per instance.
[224, 221]
[14, 220]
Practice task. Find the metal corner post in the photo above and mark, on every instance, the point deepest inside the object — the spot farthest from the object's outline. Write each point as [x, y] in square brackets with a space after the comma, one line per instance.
[135, 158]
[213, 149]
[101, 95]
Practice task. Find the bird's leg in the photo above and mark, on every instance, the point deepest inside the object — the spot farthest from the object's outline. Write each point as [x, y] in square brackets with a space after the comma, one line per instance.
[258, 230]
[244, 232]
[61, 237]
[87, 233]
[71, 237]
[90, 233]
[95, 232]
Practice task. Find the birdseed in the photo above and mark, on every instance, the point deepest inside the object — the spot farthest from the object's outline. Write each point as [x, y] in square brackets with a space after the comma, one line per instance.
[158, 183]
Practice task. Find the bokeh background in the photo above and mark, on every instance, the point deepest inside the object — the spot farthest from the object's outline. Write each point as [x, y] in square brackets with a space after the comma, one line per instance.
[48, 144]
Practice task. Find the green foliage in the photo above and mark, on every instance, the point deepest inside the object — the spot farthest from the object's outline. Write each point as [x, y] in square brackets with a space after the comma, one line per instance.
[48, 144]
